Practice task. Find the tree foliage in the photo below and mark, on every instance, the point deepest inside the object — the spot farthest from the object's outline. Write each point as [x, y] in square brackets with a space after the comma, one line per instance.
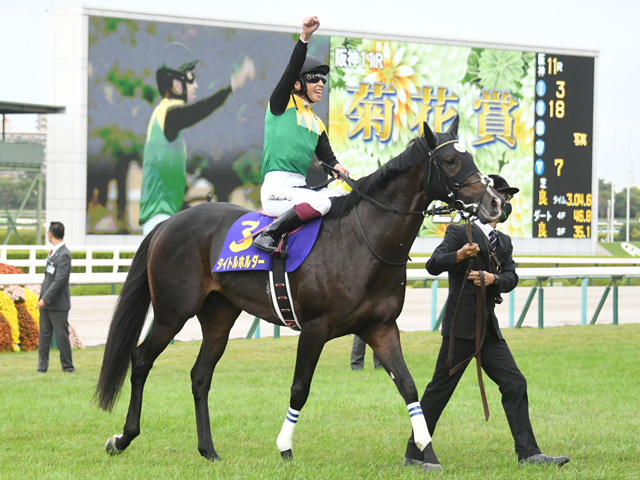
[620, 207]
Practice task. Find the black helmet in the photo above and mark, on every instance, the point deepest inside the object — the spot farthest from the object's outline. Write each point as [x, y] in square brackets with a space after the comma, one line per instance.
[311, 65]
[179, 64]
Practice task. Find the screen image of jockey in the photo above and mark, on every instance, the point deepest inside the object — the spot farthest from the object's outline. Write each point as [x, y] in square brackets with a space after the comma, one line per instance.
[164, 178]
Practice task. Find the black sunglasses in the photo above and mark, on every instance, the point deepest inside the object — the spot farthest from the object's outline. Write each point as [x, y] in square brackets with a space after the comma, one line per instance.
[315, 78]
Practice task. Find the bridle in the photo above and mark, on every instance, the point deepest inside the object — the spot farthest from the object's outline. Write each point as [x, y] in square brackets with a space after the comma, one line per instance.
[452, 185]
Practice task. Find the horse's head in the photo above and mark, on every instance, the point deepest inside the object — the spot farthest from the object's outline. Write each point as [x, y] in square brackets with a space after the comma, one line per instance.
[452, 176]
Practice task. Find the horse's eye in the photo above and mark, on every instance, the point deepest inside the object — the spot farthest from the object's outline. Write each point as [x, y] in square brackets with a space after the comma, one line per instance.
[449, 161]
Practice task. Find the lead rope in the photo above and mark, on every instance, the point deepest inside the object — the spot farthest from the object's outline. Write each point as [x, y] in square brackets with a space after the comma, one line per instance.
[480, 328]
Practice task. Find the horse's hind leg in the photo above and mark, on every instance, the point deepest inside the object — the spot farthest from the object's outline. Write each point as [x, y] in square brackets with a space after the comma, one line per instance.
[216, 316]
[142, 359]
[385, 342]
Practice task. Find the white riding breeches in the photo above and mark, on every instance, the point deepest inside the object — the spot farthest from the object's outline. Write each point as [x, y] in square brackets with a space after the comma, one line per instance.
[152, 222]
[282, 190]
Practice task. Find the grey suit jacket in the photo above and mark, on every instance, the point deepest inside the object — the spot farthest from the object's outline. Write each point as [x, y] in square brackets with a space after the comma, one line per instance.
[55, 288]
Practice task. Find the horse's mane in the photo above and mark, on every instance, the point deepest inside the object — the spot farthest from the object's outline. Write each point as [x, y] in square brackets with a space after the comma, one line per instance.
[341, 206]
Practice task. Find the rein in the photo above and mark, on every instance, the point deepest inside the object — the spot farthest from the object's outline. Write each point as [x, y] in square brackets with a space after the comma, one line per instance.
[373, 201]
[452, 188]
[366, 241]
[481, 328]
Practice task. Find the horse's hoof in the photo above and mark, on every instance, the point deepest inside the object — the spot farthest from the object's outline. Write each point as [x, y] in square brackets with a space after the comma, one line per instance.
[286, 455]
[426, 466]
[212, 457]
[111, 447]
[431, 467]
[429, 456]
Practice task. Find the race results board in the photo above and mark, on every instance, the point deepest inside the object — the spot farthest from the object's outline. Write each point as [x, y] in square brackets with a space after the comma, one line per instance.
[563, 146]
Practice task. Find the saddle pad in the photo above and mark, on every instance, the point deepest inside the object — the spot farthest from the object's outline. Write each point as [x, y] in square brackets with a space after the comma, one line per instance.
[238, 255]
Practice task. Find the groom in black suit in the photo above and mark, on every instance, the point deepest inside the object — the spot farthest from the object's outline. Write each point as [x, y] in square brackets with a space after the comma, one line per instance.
[55, 302]
[465, 263]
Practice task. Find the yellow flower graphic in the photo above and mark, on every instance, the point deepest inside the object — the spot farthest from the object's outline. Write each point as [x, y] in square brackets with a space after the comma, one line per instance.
[339, 125]
[396, 69]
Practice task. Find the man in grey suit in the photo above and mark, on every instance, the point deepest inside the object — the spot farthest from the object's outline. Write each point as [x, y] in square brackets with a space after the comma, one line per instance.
[55, 302]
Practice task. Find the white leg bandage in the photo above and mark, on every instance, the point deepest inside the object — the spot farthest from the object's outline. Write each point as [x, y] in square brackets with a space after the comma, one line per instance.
[420, 431]
[285, 439]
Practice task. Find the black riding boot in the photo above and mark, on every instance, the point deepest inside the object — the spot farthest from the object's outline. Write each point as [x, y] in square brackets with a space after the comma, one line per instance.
[269, 239]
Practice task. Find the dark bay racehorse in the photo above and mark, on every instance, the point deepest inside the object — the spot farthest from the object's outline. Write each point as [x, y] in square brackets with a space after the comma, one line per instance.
[353, 281]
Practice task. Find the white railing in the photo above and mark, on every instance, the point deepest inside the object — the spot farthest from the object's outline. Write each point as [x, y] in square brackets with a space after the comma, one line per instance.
[31, 263]
[604, 266]
[528, 273]
[541, 274]
[613, 269]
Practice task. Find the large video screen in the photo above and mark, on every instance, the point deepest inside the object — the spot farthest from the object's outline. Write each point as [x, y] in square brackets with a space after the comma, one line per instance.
[525, 115]
[223, 150]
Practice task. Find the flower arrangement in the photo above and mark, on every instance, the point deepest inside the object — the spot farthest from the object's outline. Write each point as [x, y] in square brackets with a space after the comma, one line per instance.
[9, 269]
[20, 317]
[6, 342]
[10, 314]
[28, 329]
[31, 297]
[15, 292]
[16, 306]
[74, 338]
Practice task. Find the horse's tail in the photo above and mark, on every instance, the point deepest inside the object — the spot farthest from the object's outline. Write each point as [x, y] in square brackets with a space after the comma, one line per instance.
[128, 319]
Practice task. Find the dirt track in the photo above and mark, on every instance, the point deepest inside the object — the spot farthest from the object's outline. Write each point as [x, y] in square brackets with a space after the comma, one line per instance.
[91, 315]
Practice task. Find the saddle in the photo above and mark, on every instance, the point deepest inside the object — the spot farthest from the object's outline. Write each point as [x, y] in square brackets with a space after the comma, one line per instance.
[239, 254]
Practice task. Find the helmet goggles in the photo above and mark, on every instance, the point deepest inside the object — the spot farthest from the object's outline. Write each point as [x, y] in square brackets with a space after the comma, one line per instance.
[187, 74]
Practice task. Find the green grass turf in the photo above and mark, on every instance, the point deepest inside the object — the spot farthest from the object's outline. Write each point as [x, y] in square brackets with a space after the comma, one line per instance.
[583, 397]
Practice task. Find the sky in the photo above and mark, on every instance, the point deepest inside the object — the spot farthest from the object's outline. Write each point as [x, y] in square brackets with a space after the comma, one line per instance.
[608, 28]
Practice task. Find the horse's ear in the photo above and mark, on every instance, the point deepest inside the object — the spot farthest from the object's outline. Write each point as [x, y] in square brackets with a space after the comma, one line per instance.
[453, 128]
[430, 137]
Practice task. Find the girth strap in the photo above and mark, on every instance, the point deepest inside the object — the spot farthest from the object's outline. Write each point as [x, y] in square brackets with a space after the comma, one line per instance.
[281, 294]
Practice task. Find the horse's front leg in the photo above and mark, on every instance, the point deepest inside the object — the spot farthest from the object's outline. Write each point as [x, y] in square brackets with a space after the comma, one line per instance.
[385, 342]
[310, 345]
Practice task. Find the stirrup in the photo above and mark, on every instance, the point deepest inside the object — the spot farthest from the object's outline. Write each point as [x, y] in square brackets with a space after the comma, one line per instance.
[281, 250]
[260, 239]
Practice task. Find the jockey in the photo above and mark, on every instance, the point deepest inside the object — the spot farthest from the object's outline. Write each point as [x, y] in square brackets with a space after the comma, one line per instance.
[164, 177]
[292, 135]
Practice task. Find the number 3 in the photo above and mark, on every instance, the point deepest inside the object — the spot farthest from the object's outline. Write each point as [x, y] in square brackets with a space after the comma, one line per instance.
[238, 247]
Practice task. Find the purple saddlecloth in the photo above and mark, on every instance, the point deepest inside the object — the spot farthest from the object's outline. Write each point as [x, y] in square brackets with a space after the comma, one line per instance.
[238, 255]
